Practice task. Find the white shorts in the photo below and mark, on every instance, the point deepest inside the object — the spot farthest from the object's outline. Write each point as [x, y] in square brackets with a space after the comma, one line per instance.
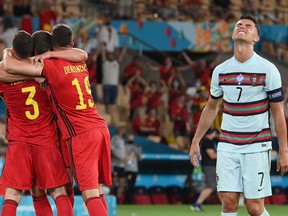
[248, 173]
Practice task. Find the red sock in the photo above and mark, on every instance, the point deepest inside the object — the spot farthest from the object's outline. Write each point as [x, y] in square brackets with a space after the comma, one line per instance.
[42, 206]
[95, 207]
[103, 201]
[70, 194]
[63, 204]
[9, 208]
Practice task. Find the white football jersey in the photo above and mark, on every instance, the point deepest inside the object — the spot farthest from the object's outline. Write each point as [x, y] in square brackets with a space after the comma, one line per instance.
[246, 88]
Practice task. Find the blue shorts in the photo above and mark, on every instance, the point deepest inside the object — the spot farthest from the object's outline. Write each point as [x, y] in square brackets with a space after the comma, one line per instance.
[110, 93]
[248, 173]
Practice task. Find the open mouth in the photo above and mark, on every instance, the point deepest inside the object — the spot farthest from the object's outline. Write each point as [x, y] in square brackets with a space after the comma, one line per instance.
[242, 32]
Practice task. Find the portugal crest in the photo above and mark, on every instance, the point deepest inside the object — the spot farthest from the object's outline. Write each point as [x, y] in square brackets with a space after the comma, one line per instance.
[254, 79]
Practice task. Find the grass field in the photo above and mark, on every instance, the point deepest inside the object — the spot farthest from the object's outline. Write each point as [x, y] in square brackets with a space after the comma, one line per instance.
[184, 210]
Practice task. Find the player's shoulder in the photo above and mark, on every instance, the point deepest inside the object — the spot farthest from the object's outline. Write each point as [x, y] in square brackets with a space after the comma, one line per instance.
[264, 62]
[50, 61]
[224, 65]
[56, 60]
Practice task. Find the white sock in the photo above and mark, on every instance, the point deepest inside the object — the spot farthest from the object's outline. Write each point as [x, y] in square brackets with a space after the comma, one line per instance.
[265, 213]
[229, 214]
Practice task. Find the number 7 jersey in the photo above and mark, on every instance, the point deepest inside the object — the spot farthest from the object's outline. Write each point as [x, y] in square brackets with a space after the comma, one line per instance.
[71, 97]
[246, 88]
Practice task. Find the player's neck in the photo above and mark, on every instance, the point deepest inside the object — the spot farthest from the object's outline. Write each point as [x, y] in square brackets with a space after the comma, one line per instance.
[243, 52]
[23, 59]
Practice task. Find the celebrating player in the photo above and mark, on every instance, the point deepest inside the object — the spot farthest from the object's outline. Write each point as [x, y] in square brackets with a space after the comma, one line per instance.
[79, 122]
[33, 155]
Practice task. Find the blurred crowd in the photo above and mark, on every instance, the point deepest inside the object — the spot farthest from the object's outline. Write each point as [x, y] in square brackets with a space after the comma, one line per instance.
[165, 109]
[266, 11]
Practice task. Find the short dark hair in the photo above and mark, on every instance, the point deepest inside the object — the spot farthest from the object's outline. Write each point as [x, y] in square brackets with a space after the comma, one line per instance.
[41, 42]
[62, 35]
[249, 17]
[23, 44]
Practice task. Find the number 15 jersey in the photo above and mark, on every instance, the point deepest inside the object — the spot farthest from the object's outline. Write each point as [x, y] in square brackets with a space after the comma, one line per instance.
[247, 89]
[71, 97]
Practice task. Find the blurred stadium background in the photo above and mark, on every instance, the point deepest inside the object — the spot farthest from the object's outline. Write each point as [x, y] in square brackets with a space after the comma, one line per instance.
[154, 30]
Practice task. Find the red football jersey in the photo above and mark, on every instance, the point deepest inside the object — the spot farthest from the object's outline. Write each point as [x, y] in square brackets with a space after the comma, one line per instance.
[29, 116]
[71, 96]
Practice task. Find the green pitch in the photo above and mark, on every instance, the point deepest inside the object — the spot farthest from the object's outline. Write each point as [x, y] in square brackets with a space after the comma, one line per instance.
[184, 210]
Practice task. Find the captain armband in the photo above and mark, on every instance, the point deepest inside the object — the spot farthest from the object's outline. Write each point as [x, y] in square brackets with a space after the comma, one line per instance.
[216, 97]
[275, 95]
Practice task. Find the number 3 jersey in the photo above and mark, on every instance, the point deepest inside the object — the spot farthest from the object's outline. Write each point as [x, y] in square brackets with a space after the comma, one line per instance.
[246, 88]
[29, 115]
[71, 97]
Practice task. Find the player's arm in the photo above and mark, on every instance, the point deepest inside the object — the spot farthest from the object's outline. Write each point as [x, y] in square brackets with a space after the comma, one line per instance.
[14, 66]
[6, 77]
[206, 120]
[69, 54]
[281, 131]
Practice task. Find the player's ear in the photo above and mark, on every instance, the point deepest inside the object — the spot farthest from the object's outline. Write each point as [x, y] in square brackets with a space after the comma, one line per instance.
[72, 43]
[256, 38]
[13, 53]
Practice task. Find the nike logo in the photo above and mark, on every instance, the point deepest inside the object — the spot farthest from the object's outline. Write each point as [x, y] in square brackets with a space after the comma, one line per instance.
[260, 189]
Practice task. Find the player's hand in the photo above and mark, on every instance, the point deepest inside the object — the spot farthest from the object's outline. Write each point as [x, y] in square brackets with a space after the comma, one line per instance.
[8, 51]
[40, 79]
[195, 155]
[40, 58]
[282, 162]
[44, 85]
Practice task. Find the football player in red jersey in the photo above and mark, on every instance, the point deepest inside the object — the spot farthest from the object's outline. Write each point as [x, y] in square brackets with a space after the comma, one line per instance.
[42, 43]
[79, 122]
[33, 155]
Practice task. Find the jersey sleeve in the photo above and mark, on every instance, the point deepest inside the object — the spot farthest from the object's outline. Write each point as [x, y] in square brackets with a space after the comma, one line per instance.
[273, 84]
[1, 90]
[49, 69]
[215, 89]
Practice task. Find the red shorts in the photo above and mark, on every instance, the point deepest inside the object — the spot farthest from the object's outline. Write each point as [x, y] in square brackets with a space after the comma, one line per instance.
[25, 164]
[65, 152]
[91, 158]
